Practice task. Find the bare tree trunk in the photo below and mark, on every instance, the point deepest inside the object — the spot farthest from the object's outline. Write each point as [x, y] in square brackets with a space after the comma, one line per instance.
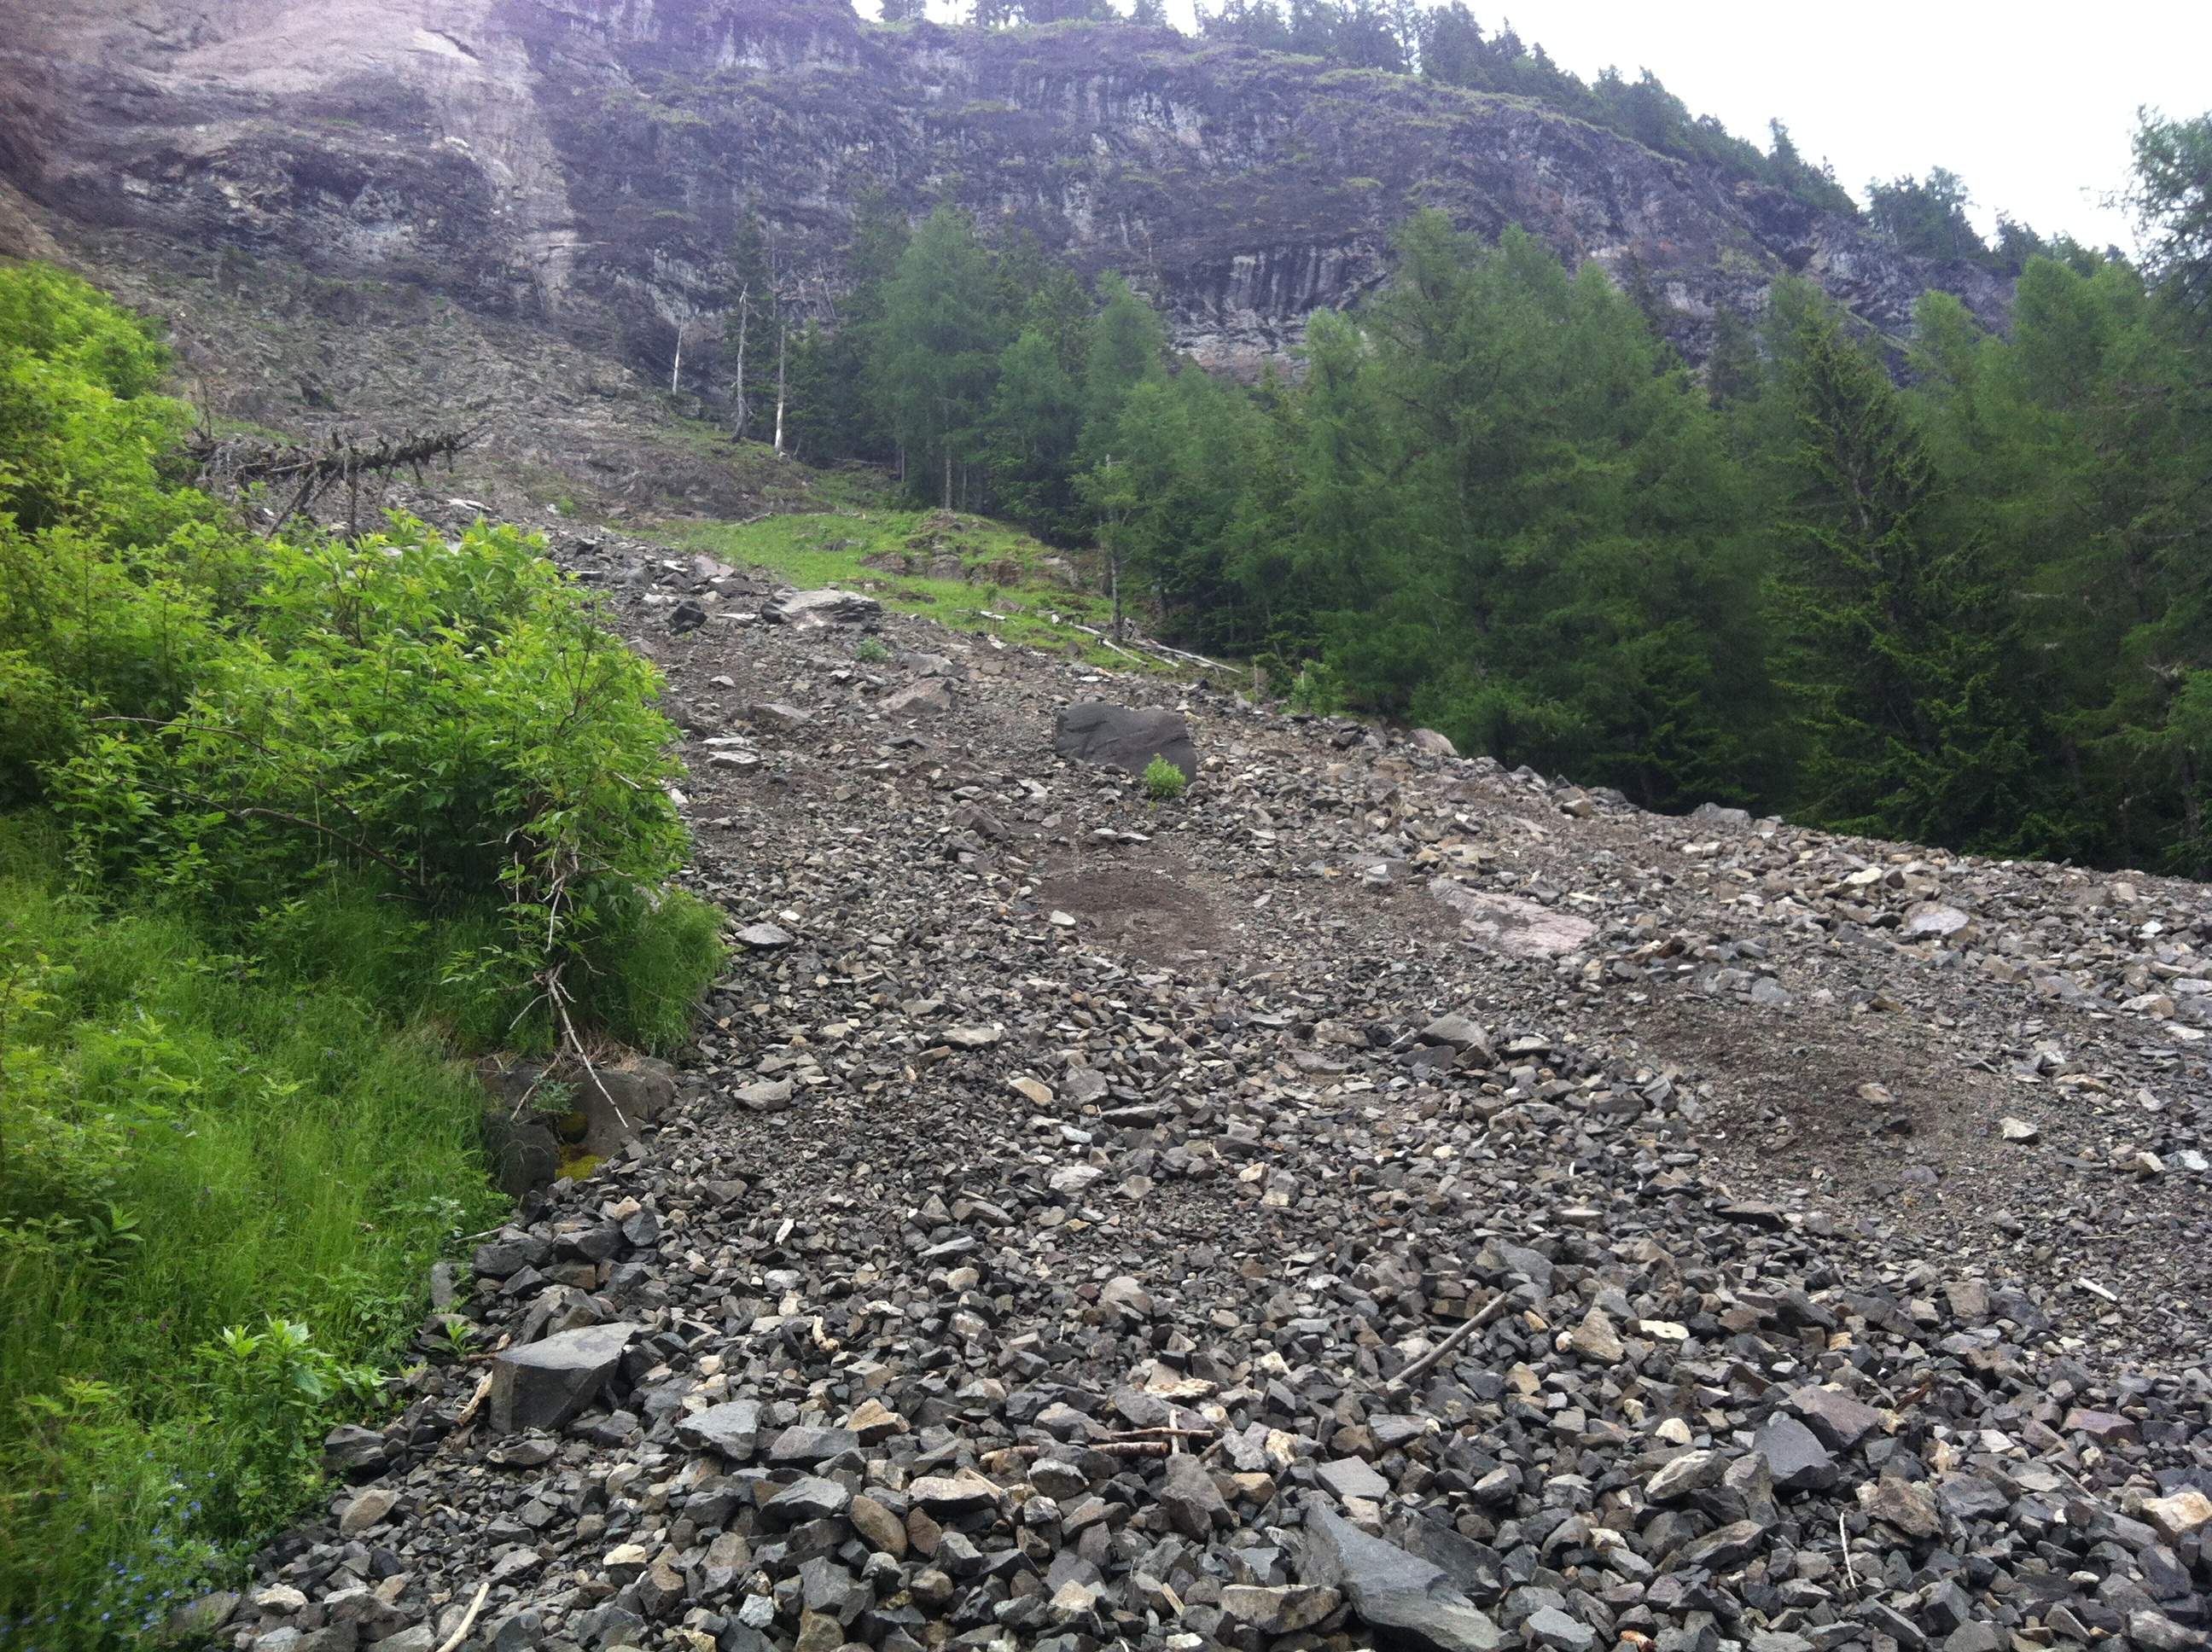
[1114, 579]
[781, 332]
[948, 476]
[744, 413]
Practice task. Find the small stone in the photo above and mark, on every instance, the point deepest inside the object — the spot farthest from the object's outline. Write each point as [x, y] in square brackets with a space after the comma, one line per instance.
[875, 1422]
[2018, 1130]
[1594, 1339]
[802, 1443]
[1907, 1505]
[881, 1528]
[1692, 1471]
[731, 1430]
[2186, 1511]
[808, 1497]
[2105, 1427]
[954, 1494]
[1193, 1501]
[1840, 1419]
[369, 1509]
[1273, 1611]
[765, 938]
[1549, 1626]
[1352, 1477]
[765, 1096]
[2159, 1633]
[1793, 1455]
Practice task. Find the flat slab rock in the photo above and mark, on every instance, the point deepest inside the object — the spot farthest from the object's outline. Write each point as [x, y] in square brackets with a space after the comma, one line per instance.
[1509, 924]
[805, 608]
[1407, 1597]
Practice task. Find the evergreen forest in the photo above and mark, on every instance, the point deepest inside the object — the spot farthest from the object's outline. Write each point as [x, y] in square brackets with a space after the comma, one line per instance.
[1953, 587]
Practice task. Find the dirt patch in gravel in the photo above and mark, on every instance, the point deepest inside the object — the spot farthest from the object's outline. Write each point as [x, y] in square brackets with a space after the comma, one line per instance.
[1143, 912]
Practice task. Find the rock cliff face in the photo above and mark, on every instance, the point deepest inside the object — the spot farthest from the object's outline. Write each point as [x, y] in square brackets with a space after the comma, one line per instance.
[583, 162]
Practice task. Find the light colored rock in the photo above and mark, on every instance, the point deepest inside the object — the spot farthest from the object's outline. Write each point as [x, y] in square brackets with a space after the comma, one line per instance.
[1509, 924]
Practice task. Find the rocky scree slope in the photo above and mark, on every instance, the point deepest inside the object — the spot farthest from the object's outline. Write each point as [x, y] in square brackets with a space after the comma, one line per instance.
[583, 163]
[1378, 1200]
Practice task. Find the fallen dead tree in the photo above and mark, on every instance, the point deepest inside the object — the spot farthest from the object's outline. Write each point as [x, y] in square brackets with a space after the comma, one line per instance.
[301, 476]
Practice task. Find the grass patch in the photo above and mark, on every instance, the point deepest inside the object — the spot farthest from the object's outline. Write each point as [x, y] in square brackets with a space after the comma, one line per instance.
[198, 1140]
[1004, 588]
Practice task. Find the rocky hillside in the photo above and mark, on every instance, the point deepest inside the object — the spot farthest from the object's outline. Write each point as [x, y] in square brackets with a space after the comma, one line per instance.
[1375, 1200]
[582, 164]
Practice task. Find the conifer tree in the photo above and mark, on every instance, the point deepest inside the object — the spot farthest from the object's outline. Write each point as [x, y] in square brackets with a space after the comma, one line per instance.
[934, 355]
[1897, 646]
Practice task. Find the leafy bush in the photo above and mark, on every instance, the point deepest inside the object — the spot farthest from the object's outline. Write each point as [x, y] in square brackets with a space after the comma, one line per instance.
[264, 1398]
[872, 651]
[195, 1139]
[1316, 691]
[1164, 782]
[291, 821]
[228, 723]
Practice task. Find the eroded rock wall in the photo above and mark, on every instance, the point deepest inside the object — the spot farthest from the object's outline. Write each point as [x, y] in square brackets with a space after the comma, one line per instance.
[586, 161]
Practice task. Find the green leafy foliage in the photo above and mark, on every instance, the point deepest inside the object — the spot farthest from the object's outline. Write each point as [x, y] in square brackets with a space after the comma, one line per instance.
[283, 823]
[191, 1139]
[1164, 782]
[227, 721]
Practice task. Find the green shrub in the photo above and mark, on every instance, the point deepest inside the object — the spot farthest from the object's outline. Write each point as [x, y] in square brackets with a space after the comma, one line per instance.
[292, 821]
[1318, 692]
[872, 651]
[228, 722]
[1164, 782]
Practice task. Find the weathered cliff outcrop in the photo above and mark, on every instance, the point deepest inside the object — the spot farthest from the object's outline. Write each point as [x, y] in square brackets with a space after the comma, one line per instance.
[584, 163]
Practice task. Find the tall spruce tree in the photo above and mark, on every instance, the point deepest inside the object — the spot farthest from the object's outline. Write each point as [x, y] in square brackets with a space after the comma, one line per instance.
[1897, 646]
[934, 360]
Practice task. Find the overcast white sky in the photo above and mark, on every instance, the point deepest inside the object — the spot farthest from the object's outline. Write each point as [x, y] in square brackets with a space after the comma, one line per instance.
[2031, 103]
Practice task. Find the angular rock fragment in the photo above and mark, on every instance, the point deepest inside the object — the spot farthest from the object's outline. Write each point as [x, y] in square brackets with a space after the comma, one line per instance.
[544, 1385]
[1391, 1591]
[1123, 736]
[817, 608]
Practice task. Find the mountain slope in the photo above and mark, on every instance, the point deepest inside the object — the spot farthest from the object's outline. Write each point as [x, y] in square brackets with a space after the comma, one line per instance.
[1050, 1118]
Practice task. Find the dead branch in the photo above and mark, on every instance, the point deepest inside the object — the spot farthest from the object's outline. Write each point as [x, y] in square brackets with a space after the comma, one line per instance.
[1493, 1311]
[303, 474]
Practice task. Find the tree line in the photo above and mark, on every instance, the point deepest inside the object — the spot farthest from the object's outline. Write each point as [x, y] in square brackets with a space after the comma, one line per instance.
[1955, 589]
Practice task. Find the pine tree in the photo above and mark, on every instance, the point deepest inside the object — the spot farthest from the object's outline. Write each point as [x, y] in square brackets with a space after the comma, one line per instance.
[1126, 346]
[933, 356]
[1034, 417]
[1898, 646]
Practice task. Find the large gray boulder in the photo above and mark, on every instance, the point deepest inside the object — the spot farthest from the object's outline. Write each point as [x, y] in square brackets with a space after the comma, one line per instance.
[821, 607]
[1123, 736]
[545, 1384]
[1411, 1601]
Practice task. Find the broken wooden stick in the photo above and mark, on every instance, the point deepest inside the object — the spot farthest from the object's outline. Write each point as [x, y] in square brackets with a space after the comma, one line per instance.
[1493, 1310]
